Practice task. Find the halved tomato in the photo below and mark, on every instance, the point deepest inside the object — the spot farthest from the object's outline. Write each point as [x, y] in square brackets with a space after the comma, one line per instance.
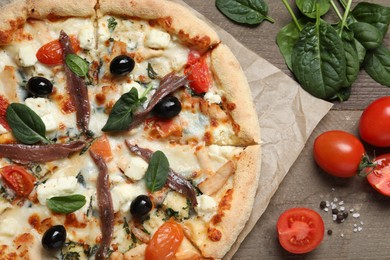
[18, 179]
[51, 52]
[197, 71]
[101, 146]
[300, 230]
[379, 176]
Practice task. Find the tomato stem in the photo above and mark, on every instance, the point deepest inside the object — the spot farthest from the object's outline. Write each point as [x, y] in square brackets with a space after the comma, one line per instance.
[364, 164]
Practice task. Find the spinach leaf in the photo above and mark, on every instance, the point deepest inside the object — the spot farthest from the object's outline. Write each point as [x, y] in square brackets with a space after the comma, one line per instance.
[309, 7]
[286, 39]
[368, 35]
[250, 12]
[121, 114]
[343, 94]
[66, 204]
[377, 65]
[374, 14]
[157, 173]
[318, 60]
[361, 51]
[26, 125]
[77, 65]
[351, 57]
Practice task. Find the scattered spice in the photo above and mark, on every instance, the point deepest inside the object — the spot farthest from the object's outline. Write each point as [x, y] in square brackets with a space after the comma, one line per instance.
[322, 204]
[330, 232]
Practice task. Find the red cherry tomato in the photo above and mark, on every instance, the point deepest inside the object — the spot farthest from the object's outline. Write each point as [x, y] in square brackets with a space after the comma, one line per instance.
[51, 53]
[379, 176]
[374, 125]
[300, 230]
[165, 242]
[3, 108]
[338, 153]
[18, 179]
[197, 71]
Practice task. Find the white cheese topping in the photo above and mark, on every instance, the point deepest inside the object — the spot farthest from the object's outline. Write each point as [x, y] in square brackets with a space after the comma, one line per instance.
[210, 97]
[123, 194]
[44, 108]
[206, 208]
[157, 39]
[4, 60]
[26, 56]
[136, 168]
[87, 38]
[61, 186]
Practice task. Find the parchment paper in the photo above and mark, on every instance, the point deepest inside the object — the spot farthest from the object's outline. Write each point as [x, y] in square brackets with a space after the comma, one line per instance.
[287, 116]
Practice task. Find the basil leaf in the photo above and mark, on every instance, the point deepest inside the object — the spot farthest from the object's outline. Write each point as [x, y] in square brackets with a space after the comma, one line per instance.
[26, 125]
[157, 173]
[77, 65]
[377, 65]
[318, 60]
[66, 204]
[250, 12]
[151, 73]
[368, 35]
[121, 114]
[112, 23]
[374, 14]
[309, 7]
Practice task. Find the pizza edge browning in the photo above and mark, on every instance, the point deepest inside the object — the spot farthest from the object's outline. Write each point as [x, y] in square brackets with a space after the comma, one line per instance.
[224, 65]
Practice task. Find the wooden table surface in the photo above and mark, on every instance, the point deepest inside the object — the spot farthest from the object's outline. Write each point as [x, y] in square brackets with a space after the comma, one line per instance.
[305, 184]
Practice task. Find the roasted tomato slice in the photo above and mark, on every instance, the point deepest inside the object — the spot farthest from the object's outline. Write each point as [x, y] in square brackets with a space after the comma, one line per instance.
[18, 179]
[165, 242]
[300, 230]
[101, 146]
[379, 176]
[51, 53]
[197, 71]
[3, 108]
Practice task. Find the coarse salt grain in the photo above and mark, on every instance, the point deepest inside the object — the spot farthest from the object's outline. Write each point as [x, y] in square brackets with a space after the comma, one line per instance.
[361, 223]
[327, 203]
[342, 235]
[355, 225]
[335, 199]
[334, 206]
[341, 203]
[326, 209]
[342, 208]
[355, 230]
[351, 210]
[356, 215]
[334, 217]
[359, 229]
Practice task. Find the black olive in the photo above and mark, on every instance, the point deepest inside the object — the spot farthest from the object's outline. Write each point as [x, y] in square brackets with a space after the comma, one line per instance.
[54, 238]
[121, 65]
[39, 86]
[141, 206]
[168, 107]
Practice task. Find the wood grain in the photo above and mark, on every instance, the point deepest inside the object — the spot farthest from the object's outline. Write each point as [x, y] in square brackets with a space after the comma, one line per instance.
[306, 185]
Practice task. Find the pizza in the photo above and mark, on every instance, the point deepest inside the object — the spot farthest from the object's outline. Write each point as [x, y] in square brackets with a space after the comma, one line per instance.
[127, 131]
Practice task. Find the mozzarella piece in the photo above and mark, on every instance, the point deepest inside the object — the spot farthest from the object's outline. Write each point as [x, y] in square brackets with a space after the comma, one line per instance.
[157, 39]
[136, 168]
[206, 208]
[61, 186]
[43, 70]
[50, 122]
[210, 97]
[126, 87]
[123, 194]
[5, 60]
[26, 56]
[222, 134]
[86, 37]
[9, 227]
[44, 109]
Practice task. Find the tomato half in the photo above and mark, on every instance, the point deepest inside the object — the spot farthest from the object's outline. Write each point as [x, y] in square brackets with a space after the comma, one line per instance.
[338, 153]
[374, 125]
[379, 176]
[197, 71]
[165, 242]
[18, 179]
[300, 230]
[51, 52]
[101, 146]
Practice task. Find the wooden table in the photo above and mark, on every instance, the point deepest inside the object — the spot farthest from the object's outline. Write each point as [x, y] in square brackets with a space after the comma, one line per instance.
[306, 185]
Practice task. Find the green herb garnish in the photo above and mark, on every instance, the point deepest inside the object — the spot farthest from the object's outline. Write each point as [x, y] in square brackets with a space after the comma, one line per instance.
[66, 204]
[157, 172]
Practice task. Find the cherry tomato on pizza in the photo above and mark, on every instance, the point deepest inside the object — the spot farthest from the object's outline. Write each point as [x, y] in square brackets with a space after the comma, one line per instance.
[51, 52]
[197, 71]
[379, 175]
[338, 153]
[18, 179]
[165, 242]
[300, 230]
[374, 124]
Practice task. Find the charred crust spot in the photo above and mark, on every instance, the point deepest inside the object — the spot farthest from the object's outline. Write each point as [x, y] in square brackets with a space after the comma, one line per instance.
[34, 220]
[214, 234]
[224, 204]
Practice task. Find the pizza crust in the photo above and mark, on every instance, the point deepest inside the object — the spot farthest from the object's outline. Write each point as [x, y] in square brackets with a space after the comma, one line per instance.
[12, 17]
[228, 73]
[40, 9]
[173, 17]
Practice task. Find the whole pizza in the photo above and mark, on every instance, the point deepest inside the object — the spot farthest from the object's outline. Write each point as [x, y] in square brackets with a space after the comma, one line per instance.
[127, 131]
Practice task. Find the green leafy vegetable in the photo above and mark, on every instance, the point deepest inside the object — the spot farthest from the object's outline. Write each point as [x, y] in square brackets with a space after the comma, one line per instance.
[309, 7]
[377, 65]
[351, 58]
[368, 35]
[26, 125]
[376, 15]
[157, 173]
[122, 112]
[318, 60]
[250, 12]
[66, 204]
[77, 65]
[112, 23]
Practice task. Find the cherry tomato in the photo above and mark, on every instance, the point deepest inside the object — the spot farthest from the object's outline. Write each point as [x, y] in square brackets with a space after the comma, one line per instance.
[101, 147]
[338, 153]
[18, 179]
[197, 71]
[51, 53]
[300, 230]
[3, 108]
[379, 176]
[374, 125]
[165, 242]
